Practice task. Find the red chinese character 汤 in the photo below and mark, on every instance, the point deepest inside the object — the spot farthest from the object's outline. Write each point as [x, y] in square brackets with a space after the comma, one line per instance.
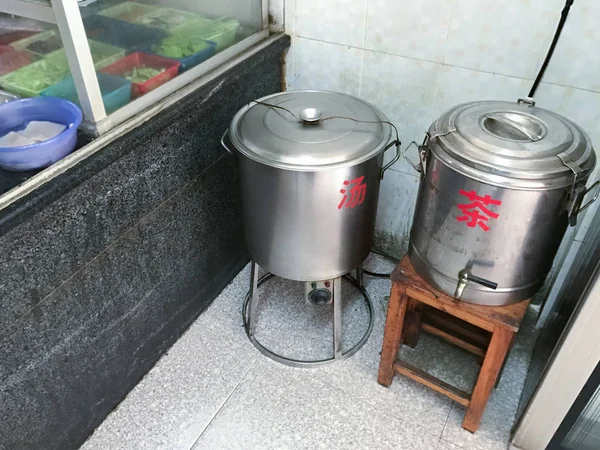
[357, 194]
[472, 212]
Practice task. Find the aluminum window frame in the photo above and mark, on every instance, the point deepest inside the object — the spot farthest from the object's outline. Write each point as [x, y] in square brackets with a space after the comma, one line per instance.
[66, 15]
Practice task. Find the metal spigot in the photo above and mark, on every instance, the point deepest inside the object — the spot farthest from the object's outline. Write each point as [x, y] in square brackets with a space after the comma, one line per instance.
[463, 279]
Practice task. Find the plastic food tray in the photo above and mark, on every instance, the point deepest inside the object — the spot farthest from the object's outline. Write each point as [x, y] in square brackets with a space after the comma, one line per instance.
[35, 44]
[170, 69]
[128, 11]
[222, 32]
[13, 36]
[103, 54]
[189, 61]
[121, 34]
[16, 82]
[116, 91]
[170, 19]
[11, 59]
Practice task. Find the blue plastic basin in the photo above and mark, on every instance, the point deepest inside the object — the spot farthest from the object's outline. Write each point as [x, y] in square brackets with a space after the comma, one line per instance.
[14, 116]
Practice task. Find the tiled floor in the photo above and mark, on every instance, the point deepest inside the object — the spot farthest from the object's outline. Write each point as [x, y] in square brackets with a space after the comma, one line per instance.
[214, 390]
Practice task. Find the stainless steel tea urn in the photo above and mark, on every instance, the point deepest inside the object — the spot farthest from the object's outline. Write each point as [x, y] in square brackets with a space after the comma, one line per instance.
[501, 183]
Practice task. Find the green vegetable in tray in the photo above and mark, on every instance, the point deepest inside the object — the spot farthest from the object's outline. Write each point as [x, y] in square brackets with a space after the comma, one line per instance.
[165, 19]
[142, 74]
[38, 76]
[179, 46]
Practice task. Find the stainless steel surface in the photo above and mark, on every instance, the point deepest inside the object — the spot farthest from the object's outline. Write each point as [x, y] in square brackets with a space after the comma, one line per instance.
[311, 115]
[278, 137]
[496, 197]
[309, 196]
[338, 354]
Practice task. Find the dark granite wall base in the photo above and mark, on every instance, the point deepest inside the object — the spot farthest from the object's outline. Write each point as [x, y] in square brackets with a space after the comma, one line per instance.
[105, 267]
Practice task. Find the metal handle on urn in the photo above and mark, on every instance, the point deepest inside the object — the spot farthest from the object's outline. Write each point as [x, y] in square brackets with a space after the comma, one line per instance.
[397, 143]
[223, 141]
[464, 277]
[420, 167]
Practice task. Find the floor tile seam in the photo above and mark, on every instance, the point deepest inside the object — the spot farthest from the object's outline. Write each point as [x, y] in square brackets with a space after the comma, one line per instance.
[225, 402]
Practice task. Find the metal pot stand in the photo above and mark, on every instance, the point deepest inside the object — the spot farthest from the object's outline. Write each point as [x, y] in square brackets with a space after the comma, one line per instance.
[249, 317]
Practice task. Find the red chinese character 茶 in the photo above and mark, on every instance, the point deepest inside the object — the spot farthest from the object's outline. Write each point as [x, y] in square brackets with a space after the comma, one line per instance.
[357, 194]
[472, 212]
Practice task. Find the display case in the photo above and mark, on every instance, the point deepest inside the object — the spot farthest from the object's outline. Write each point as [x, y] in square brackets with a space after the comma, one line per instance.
[118, 58]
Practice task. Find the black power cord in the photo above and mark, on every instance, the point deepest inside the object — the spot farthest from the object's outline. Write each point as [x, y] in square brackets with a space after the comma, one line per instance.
[377, 274]
[561, 24]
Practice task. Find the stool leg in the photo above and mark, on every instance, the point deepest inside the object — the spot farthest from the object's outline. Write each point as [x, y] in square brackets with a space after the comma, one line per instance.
[393, 333]
[492, 363]
[512, 341]
[412, 324]
[253, 298]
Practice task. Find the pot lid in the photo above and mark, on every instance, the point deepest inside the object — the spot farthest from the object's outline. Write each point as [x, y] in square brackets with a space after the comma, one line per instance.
[512, 144]
[309, 130]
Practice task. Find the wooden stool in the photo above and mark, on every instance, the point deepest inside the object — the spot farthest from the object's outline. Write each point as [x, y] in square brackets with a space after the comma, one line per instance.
[487, 331]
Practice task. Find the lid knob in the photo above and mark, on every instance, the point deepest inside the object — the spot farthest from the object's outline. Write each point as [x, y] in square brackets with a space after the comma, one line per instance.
[311, 115]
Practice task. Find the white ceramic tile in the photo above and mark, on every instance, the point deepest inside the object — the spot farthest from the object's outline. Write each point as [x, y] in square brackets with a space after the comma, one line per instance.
[289, 13]
[285, 408]
[397, 200]
[336, 21]
[177, 399]
[404, 89]
[417, 29]
[575, 61]
[582, 107]
[276, 15]
[290, 66]
[457, 85]
[445, 445]
[320, 65]
[501, 36]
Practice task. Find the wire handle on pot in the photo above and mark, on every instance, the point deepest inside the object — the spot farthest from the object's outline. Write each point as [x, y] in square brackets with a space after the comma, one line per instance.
[418, 167]
[223, 141]
[318, 119]
[397, 143]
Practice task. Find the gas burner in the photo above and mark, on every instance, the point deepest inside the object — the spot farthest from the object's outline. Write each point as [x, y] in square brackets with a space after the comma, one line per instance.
[317, 293]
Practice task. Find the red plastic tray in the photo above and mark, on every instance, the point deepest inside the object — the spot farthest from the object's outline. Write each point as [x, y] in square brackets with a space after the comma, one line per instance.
[138, 59]
[9, 38]
[11, 59]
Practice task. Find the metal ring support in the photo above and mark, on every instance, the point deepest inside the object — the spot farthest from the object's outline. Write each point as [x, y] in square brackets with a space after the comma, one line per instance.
[300, 363]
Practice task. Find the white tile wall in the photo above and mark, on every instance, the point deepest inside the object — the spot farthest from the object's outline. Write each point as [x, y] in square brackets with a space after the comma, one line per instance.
[412, 83]
[338, 21]
[416, 59]
[575, 61]
[417, 29]
[397, 200]
[457, 85]
[327, 66]
[501, 36]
